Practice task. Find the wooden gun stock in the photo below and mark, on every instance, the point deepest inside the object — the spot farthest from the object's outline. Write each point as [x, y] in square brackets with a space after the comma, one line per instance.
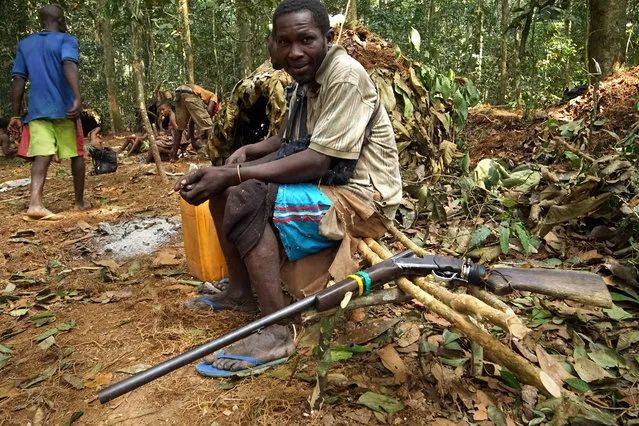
[583, 287]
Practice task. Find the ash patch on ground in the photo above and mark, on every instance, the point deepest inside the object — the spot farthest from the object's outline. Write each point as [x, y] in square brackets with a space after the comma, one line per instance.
[137, 237]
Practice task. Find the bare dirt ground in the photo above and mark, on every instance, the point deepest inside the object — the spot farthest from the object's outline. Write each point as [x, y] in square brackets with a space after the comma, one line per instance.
[128, 314]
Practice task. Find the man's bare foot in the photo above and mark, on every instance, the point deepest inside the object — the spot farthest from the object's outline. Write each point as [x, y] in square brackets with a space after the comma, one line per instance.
[84, 205]
[274, 342]
[37, 212]
[223, 301]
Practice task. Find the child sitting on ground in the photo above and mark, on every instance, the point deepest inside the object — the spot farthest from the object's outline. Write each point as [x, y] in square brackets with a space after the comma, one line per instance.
[135, 144]
[9, 148]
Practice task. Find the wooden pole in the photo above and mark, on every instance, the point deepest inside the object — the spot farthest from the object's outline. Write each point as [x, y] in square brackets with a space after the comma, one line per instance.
[515, 363]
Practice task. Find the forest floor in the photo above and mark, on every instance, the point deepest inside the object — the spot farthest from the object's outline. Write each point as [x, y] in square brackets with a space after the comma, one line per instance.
[109, 318]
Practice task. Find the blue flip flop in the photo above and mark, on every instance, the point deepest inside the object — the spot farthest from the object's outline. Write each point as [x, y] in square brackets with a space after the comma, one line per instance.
[196, 303]
[208, 370]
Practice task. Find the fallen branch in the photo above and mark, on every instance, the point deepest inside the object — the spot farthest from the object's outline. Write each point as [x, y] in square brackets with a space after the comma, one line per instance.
[520, 367]
[381, 297]
[463, 302]
[574, 150]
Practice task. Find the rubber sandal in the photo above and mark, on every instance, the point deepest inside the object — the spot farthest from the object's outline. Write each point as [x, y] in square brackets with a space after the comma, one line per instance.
[213, 287]
[208, 370]
[48, 218]
[203, 302]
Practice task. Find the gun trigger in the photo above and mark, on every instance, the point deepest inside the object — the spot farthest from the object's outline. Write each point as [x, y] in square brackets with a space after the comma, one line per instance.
[447, 278]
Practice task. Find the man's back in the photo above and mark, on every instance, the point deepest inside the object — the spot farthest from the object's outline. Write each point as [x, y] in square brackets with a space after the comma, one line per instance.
[39, 59]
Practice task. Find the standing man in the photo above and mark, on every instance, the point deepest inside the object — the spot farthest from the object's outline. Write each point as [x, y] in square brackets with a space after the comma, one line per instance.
[262, 199]
[197, 104]
[49, 60]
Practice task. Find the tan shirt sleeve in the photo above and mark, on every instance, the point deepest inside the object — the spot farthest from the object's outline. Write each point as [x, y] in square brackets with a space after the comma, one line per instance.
[339, 130]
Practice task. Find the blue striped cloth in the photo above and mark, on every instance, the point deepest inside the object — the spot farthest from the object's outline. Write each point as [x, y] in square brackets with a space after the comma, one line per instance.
[299, 208]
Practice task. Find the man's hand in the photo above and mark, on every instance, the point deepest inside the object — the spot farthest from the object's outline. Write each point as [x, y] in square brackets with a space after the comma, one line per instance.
[15, 127]
[76, 110]
[202, 184]
[238, 156]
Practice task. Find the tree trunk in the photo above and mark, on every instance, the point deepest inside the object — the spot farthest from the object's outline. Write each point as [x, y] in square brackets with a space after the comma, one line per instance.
[218, 69]
[188, 49]
[525, 31]
[479, 50]
[606, 42]
[517, 61]
[568, 64]
[244, 38]
[138, 78]
[106, 35]
[503, 65]
[351, 12]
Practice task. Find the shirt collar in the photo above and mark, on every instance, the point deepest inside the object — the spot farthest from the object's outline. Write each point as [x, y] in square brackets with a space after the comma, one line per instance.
[333, 52]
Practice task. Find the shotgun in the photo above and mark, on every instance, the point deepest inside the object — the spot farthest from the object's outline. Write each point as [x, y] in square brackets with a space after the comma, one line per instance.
[584, 287]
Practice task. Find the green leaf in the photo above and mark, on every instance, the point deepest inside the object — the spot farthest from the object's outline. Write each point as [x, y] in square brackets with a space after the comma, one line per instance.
[523, 236]
[607, 358]
[578, 384]
[96, 369]
[425, 346]
[497, 416]
[510, 379]
[450, 337]
[46, 334]
[415, 39]
[5, 350]
[618, 297]
[397, 51]
[19, 312]
[617, 313]
[380, 403]
[4, 359]
[337, 355]
[75, 416]
[479, 236]
[408, 106]
[353, 348]
[627, 339]
[508, 202]
[66, 326]
[504, 236]
[42, 319]
[455, 362]
[464, 164]
[575, 160]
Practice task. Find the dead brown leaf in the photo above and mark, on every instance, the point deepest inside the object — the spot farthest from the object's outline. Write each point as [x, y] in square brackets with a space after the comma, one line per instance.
[410, 334]
[436, 320]
[550, 366]
[94, 380]
[166, 257]
[107, 263]
[591, 256]
[393, 362]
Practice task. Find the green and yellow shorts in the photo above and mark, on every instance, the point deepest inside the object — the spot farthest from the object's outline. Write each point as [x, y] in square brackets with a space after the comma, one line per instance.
[49, 137]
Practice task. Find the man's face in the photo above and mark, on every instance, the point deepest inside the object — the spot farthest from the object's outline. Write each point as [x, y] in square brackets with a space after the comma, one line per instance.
[299, 45]
[165, 111]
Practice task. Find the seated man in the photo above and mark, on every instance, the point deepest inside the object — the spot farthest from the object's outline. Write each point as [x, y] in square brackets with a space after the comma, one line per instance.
[275, 199]
[164, 141]
[9, 148]
[197, 104]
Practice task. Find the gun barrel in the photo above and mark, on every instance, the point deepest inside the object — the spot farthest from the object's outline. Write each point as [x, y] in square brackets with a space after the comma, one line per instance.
[322, 300]
[146, 376]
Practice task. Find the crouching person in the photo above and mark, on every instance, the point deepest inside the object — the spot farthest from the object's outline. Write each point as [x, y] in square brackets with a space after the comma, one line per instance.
[288, 208]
